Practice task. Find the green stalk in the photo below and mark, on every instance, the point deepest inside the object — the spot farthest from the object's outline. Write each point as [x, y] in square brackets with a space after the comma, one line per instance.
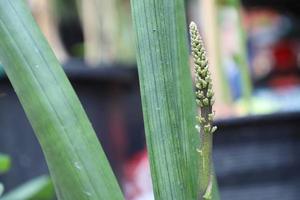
[204, 99]
[167, 97]
[77, 163]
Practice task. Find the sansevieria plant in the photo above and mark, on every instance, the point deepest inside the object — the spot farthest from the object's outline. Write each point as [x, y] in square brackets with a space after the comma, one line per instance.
[180, 159]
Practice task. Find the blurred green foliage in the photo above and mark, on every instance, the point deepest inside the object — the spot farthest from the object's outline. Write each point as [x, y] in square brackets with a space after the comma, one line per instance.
[39, 188]
[5, 163]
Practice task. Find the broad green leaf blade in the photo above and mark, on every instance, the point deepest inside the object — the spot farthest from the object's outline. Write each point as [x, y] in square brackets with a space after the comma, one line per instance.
[167, 97]
[38, 188]
[77, 163]
[5, 163]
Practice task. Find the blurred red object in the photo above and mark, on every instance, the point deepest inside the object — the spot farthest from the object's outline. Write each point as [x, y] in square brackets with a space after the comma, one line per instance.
[137, 178]
[285, 72]
[285, 56]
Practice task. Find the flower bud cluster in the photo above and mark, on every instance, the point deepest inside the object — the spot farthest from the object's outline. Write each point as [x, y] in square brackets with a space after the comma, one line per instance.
[203, 81]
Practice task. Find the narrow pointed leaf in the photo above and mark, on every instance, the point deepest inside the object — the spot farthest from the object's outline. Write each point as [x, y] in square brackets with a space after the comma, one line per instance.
[77, 163]
[167, 97]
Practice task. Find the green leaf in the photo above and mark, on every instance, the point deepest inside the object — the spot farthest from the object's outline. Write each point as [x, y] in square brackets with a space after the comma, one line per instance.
[76, 161]
[40, 188]
[167, 97]
[5, 163]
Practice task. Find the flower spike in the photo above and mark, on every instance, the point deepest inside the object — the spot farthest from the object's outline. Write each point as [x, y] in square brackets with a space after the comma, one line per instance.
[204, 92]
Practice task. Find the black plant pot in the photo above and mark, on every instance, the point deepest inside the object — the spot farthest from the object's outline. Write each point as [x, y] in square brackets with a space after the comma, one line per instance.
[258, 157]
[110, 96]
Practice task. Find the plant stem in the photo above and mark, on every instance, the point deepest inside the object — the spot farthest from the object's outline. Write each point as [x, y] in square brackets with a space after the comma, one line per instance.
[204, 99]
